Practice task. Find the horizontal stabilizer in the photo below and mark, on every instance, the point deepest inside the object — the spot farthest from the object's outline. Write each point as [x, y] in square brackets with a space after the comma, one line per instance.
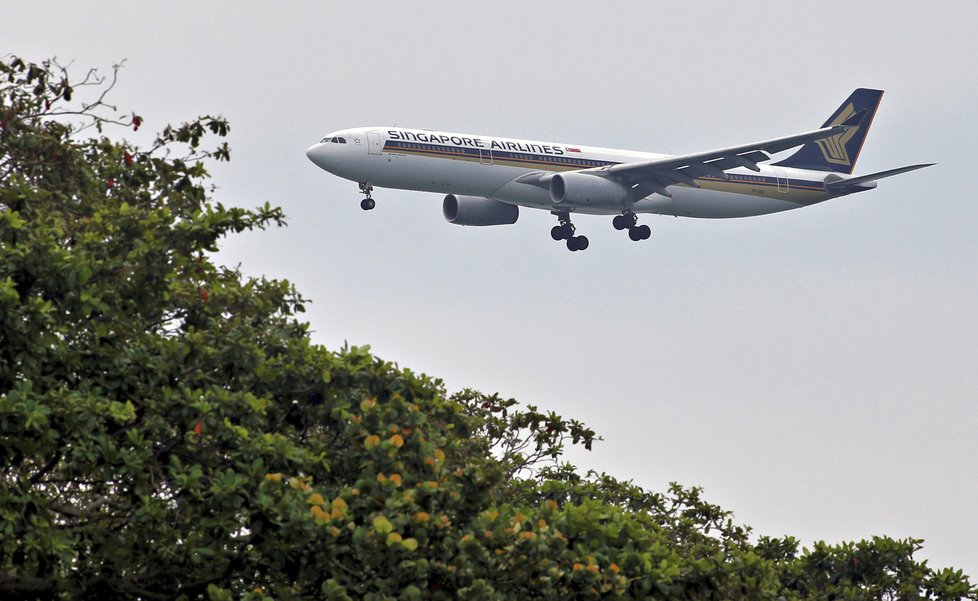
[872, 177]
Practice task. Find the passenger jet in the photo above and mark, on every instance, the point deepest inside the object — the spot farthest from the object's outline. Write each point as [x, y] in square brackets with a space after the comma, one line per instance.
[486, 179]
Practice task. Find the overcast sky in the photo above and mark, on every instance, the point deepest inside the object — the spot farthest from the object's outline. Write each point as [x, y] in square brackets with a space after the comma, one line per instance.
[814, 370]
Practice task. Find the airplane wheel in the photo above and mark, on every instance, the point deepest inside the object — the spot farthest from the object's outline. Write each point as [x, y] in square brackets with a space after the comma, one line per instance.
[577, 243]
[557, 232]
[619, 222]
[568, 231]
[367, 203]
[645, 231]
[635, 233]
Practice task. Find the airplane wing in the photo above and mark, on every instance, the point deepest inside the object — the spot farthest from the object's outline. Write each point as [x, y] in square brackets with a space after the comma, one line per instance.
[647, 177]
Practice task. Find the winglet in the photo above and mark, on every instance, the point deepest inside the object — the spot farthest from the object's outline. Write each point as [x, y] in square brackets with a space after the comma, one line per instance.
[855, 119]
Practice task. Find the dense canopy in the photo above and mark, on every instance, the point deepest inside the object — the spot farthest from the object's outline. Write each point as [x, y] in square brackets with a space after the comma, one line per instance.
[168, 429]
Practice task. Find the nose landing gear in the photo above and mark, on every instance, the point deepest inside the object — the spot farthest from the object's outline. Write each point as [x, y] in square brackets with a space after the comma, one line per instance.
[565, 231]
[367, 203]
[627, 221]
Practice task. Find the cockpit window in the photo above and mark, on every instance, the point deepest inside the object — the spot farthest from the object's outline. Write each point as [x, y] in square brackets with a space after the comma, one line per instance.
[333, 140]
[341, 140]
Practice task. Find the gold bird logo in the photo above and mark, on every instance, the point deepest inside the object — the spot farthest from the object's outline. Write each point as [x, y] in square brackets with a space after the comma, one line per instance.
[834, 148]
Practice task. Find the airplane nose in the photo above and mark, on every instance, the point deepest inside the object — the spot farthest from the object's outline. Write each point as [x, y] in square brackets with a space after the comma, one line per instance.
[317, 153]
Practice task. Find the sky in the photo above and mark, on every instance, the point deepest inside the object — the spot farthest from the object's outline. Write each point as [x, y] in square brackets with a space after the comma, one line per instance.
[813, 370]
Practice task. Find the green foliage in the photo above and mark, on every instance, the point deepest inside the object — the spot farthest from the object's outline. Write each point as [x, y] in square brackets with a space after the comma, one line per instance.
[168, 430]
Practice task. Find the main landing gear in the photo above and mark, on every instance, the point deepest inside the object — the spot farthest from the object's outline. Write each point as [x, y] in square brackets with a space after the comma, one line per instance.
[367, 203]
[565, 231]
[627, 221]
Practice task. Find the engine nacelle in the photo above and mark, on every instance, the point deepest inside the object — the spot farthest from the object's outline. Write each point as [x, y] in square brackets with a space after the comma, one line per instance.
[582, 189]
[476, 210]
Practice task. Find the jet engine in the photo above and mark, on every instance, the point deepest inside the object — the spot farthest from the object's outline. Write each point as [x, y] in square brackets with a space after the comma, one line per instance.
[476, 210]
[583, 189]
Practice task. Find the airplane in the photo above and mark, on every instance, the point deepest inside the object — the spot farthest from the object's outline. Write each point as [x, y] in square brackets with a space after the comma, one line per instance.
[486, 179]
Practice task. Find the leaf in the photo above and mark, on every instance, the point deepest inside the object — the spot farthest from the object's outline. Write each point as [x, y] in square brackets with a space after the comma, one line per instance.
[382, 525]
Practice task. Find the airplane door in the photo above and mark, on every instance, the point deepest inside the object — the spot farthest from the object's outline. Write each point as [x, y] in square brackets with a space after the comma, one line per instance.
[782, 180]
[485, 156]
[373, 142]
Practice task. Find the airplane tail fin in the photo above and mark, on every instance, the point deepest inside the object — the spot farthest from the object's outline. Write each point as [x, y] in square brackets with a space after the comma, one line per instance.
[839, 153]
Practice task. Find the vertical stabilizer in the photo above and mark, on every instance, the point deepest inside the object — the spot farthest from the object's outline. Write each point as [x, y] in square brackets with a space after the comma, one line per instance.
[839, 153]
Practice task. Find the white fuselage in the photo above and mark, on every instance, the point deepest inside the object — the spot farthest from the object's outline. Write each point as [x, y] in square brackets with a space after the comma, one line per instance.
[488, 166]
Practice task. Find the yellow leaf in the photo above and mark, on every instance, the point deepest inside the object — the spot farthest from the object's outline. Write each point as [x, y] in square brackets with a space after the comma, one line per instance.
[276, 477]
[371, 441]
[410, 544]
[393, 538]
[396, 479]
[382, 525]
[397, 440]
[368, 404]
[422, 516]
[316, 499]
[339, 509]
[319, 514]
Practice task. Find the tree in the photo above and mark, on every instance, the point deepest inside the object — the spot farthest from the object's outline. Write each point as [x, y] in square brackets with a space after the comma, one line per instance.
[168, 429]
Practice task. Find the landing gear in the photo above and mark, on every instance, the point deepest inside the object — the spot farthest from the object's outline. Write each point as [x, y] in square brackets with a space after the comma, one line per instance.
[565, 231]
[627, 221]
[367, 203]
